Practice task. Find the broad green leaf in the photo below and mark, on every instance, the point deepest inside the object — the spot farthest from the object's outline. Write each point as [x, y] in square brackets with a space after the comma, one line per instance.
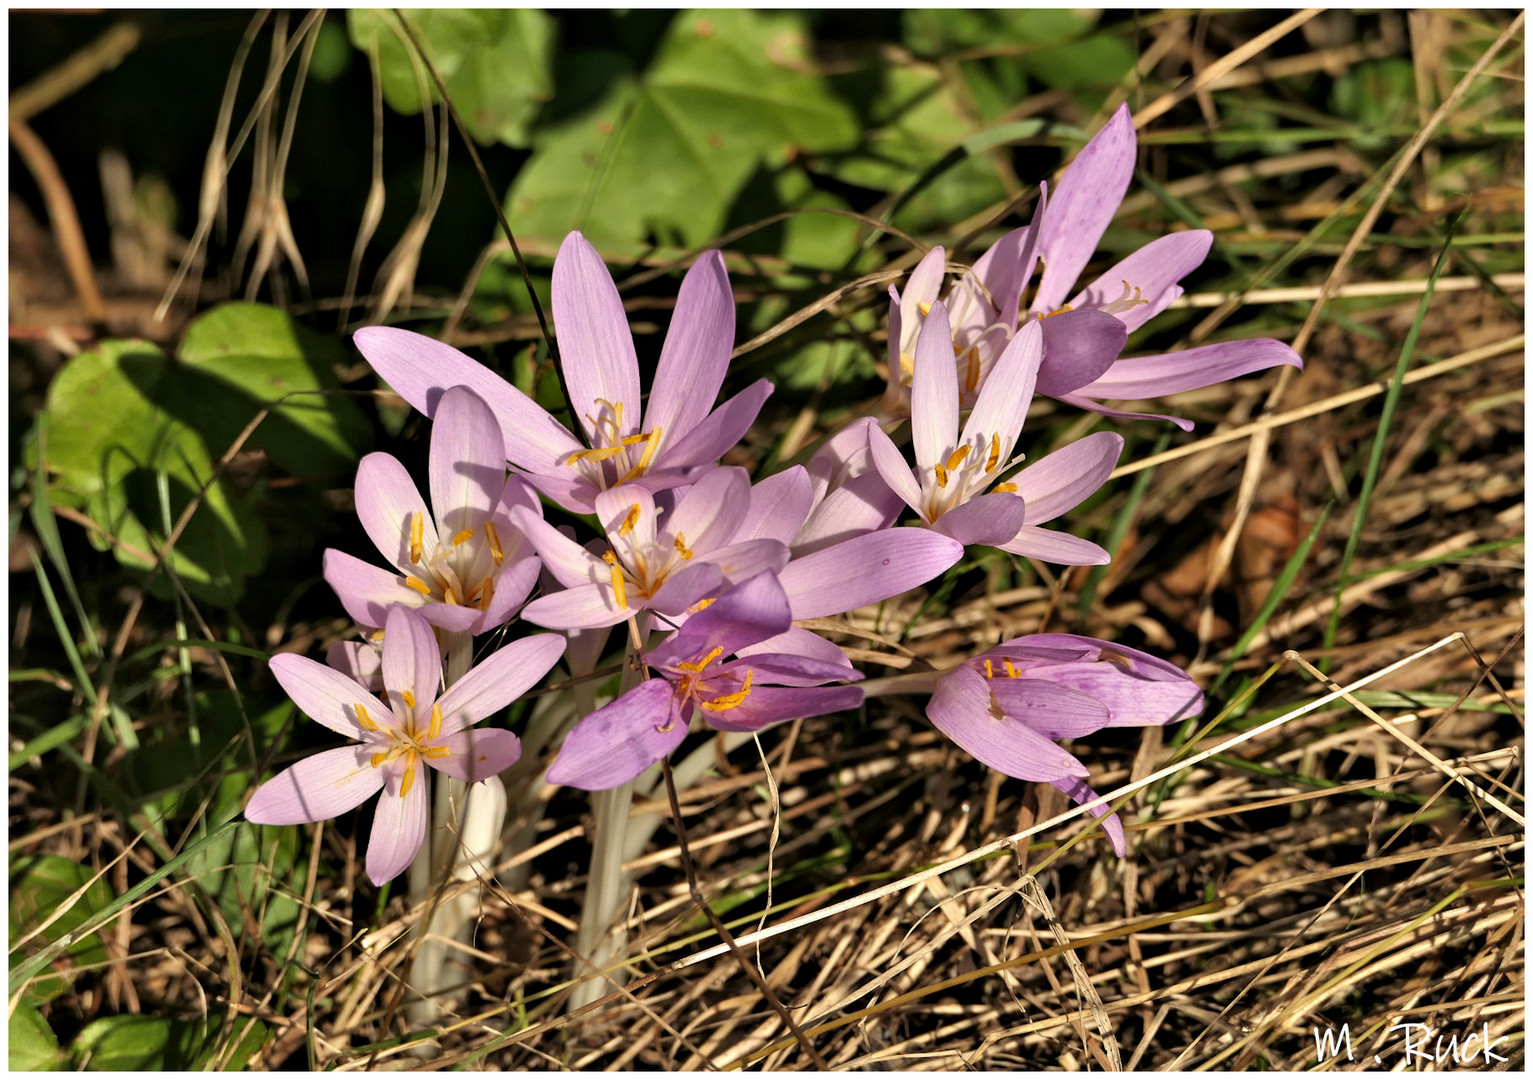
[257, 354]
[31, 1044]
[143, 1043]
[40, 885]
[665, 154]
[1100, 61]
[495, 63]
[932, 32]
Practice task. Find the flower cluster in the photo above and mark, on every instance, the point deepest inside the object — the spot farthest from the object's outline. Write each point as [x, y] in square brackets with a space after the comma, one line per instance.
[714, 574]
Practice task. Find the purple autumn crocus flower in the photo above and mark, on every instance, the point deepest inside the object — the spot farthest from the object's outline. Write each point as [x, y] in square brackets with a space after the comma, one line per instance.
[463, 564]
[395, 741]
[695, 677]
[676, 438]
[650, 564]
[954, 488]
[1008, 705]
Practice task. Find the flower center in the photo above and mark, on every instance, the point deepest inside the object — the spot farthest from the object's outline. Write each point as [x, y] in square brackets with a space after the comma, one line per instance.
[457, 573]
[965, 472]
[614, 458]
[691, 685]
[643, 566]
[405, 739]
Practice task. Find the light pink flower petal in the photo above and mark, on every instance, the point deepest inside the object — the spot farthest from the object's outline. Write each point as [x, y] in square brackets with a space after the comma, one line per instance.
[513, 585]
[420, 369]
[387, 502]
[749, 558]
[779, 505]
[1078, 346]
[786, 669]
[768, 705]
[985, 519]
[710, 513]
[477, 754]
[861, 505]
[1171, 373]
[841, 458]
[399, 826]
[616, 743]
[357, 660]
[453, 617]
[753, 610]
[961, 708]
[573, 492]
[366, 591]
[1062, 480]
[892, 468]
[696, 351]
[797, 641]
[317, 788]
[1083, 206]
[499, 679]
[934, 393]
[1008, 265]
[581, 607]
[1052, 710]
[865, 570]
[1153, 270]
[567, 561]
[687, 586]
[1004, 397]
[613, 509]
[1052, 546]
[411, 659]
[1097, 407]
[595, 345]
[328, 697]
[1081, 793]
[922, 287]
[468, 462]
[720, 431]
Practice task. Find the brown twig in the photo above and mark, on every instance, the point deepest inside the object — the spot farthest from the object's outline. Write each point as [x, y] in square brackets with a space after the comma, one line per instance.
[61, 213]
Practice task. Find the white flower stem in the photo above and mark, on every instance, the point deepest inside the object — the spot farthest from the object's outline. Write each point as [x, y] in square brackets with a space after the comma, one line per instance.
[914, 682]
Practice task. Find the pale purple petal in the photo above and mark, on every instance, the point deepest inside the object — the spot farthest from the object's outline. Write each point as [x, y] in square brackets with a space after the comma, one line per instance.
[1059, 712]
[778, 506]
[1153, 270]
[696, 351]
[861, 505]
[768, 705]
[477, 753]
[571, 564]
[786, 669]
[1171, 373]
[1000, 269]
[366, 591]
[1062, 480]
[710, 513]
[1052, 546]
[737, 562]
[468, 463]
[1081, 793]
[796, 641]
[841, 457]
[720, 431]
[399, 826]
[866, 570]
[318, 788]
[595, 345]
[387, 502]
[933, 392]
[896, 331]
[752, 611]
[572, 491]
[985, 519]
[922, 287]
[582, 607]
[1097, 407]
[420, 369]
[696, 581]
[614, 507]
[326, 696]
[1083, 206]
[893, 469]
[358, 660]
[962, 709]
[1078, 346]
[616, 743]
[412, 661]
[454, 617]
[1001, 406]
[499, 679]
[512, 586]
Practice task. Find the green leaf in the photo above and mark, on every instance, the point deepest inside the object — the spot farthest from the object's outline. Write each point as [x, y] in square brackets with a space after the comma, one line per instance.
[667, 153]
[40, 885]
[931, 32]
[33, 1046]
[495, 64]
[142, 1043]
[238, 358]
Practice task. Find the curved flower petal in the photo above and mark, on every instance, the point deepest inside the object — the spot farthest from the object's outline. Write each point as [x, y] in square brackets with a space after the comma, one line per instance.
[1097, 407]
[892, 468]
[768, 705]
[796, 641]
[581, 607]
[692, 583]
[420, 369]
[513, 585]
[1004, 396]
[861, 505]
[1078, 346]
[1053, 546]
[498, 680]
[1081, 793]
[1082, 207]
[1062, 480]
[779, 505]
[933, 392]
[616, 743]
[366, 591]
[961, 708]
[399, 827]
[1053, 710]
[710, 513]
[752, 611]
[1171, 373]
[1151, 273]
[696, 351]
[569, 563]
[595, 345]
[719, 431]
[906, 317]
[984, 519]
[737, 562]
[412, 660]
[320, 787]
[357, 660]
[477, 754]
[1000, 268]
[468, 462]
[387, 502]
[326, 696]
[865, 570]
[787, 669]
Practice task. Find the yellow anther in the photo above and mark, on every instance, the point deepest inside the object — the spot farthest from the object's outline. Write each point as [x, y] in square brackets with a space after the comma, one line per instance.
[365, 720]
[418, 585]
[436, 723]
[926, 309]
[971, 381]
[989, 669]
[1011, 670]
[955, 459]
[463, 534]
[619, 587]
[417, 535]
[493, 539]
[438, 751]
[376, 637]
[651, 444]
[726, 702]
[1057, 311]
[600, 453]
[701, 605]
[486, 594]
[448, 596]
[681, 546]
[941, 476]
[409, 780]
[379, 758]
[629, 521]
[1004, 487]
[995, 454]
[409, 698]
[698, 665]
[908, 363]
